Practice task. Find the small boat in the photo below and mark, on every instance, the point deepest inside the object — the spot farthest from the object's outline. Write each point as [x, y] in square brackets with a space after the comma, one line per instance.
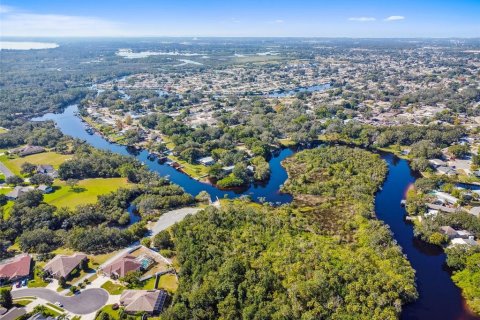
[403, 202]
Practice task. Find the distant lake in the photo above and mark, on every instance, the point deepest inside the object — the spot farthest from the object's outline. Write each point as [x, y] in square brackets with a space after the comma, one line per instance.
[16, 45]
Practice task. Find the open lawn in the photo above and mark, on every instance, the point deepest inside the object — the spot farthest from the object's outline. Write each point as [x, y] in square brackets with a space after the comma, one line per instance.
[113, 288]
[6, 209]
[51, 158]
[168, 282]
[22, 302]
[86, 191]
[149, 284]
[193, 170]
[108, 310]
[37, 281]
[54, 309]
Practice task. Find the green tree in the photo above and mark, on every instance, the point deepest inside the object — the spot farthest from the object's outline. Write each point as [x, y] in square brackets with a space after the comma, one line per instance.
[62, 282]
[6, 298]
[27, 168]
[437, 238]
[163, 240]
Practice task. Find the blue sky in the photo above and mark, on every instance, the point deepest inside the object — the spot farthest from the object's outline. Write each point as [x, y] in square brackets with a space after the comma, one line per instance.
[333, 18]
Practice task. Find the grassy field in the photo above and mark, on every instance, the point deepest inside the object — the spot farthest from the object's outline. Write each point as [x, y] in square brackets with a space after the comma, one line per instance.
[54, 307]
[22, 302]
[86, 192]
[37, 281]
[149, 284]
[168, 282]
[193, 170]
[6, 209]
[113, 288]
[51, 158]
[287, 142]
[112, 313]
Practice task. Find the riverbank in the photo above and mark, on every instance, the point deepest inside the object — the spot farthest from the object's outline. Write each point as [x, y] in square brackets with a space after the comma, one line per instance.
[439, 298]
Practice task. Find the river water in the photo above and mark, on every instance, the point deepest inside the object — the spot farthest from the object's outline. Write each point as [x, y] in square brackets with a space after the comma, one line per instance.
[439, 297]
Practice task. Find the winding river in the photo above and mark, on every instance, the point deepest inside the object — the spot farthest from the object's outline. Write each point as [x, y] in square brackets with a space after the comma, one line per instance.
[439, 297]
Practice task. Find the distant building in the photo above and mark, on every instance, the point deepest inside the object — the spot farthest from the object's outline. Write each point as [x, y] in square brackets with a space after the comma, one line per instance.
[228, 169]
[464, 234]
[443, 196]
[45, 189]
[449, 231]
[27, 150]
[18, 191]
[47, 169]
[206, 161]
[62, 265]
[446, 171]
[15, 269]
[150, 301]
[437, 163]
[463, 242]
[475, 211]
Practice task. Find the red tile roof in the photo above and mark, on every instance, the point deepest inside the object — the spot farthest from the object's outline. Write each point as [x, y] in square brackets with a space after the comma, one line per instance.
[18, 267]
[122, 266]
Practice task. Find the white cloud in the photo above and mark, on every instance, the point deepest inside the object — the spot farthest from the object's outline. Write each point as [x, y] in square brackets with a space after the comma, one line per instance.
[394, 18]
[5, 9]
[19, 23]
[362, 19]
[279, 21]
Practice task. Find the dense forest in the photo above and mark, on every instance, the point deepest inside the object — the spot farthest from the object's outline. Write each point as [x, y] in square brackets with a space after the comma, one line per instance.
[104, 226]
[246, 261]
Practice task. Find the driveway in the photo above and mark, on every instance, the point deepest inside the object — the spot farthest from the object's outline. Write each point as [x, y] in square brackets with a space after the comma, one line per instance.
[88, 301]
[6, 172]
[169, 218]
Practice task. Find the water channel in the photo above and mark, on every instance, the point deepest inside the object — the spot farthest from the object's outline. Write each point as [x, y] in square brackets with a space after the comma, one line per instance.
[439, 297]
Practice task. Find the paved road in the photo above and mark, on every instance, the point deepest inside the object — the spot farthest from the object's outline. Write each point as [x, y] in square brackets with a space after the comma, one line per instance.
[171, 217]
[6, 172]
[88, 301]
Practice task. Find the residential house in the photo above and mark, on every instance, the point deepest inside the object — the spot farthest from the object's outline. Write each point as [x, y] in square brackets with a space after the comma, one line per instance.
[45, 189]
[150, 301]
[443, 170]
[63, 265]
[475, 211]
[121, 266]
[27, 150]
[206, 161]
[47, 169]
[443, 196]
[15, 269]
[449, 231]
[18, 191]
[464, 234]
[228, 169]
[463, 242]
[437, 163]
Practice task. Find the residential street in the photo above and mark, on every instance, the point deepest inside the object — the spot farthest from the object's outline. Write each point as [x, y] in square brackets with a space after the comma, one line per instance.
[88, 301]
[6, 172]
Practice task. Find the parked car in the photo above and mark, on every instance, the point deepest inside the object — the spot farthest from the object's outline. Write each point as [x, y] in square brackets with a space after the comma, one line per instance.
[24, 282]
[18, 285]
[58, 304]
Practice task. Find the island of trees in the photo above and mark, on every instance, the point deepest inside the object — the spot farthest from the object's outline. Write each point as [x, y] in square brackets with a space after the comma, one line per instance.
[324, 256]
